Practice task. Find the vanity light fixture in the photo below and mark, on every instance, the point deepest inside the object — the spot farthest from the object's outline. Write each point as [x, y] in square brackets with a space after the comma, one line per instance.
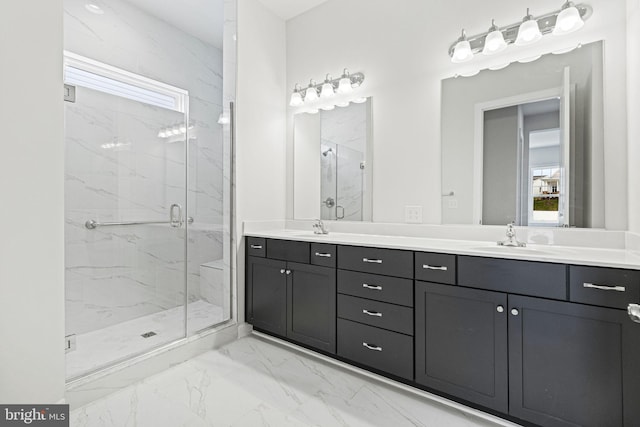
[462, 52]
[494, 43]
[312, 92]
[531, 29]
[329, 88]
[569, 20]
[296, 97]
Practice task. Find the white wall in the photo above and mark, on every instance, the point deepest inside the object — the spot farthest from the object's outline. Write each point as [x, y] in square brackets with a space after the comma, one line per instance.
[633, 88]
[401, 46]
[261, 122]
[31, 185]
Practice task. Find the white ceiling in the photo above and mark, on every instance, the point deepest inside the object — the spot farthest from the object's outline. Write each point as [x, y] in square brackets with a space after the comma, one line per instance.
[203, 19]
[287, 9]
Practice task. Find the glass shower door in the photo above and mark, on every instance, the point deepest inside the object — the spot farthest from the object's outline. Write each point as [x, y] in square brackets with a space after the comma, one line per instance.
[125, 233]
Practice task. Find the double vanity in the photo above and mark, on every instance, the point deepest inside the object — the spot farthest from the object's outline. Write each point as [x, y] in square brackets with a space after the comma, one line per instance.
[538, 336]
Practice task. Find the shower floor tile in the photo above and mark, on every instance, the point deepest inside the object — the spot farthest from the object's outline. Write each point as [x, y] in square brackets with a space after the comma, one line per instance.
[118, 342]
[253, 382]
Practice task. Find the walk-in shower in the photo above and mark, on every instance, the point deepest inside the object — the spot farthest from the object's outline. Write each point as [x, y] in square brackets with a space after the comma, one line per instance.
[147, 188]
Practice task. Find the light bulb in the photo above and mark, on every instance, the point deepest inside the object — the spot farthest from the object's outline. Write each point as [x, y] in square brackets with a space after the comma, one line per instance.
[494, 42]
[345, 85]
[462, 52]
[529, 31]
[568, 21]
[311, 95]
[296, 99]
[327, 90]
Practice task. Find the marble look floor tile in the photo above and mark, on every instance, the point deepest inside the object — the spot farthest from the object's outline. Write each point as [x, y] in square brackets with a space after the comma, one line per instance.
[253, 382]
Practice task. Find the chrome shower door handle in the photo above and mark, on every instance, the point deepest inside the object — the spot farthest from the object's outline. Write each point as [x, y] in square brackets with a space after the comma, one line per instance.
[175, 215]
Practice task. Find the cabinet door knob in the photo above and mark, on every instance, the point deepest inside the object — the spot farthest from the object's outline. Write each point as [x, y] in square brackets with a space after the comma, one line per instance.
[515, 311]
[288, 272]
[500, 309]
[634, 312]
[282, 271]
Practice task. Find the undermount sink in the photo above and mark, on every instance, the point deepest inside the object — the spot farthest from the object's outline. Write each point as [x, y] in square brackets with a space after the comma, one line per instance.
[511, 250]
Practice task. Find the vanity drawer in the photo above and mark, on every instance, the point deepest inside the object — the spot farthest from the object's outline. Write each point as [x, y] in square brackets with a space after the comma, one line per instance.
[256, 246]
[390, 262]
[380, 288]
[607, 287]
[323, 254]
[540, 279]
[438, 268]
[379, 349]
[375, 313]
[288, 250]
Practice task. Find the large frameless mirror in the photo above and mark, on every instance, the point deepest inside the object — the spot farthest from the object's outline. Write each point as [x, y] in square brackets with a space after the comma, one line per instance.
[524, 144]
[332, 164]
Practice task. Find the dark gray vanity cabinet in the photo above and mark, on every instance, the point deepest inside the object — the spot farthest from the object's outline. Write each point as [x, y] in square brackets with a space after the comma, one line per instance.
[573, 364]
[545, 344]
[461, 343]
[375, 309]
[267, 294]
[311, 306]
[291, 292]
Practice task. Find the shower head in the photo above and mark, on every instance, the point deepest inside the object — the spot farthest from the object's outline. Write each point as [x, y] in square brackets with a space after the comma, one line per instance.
[326, 152]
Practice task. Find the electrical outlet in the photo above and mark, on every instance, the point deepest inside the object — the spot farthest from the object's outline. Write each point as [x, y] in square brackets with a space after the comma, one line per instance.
[413, 214]
[452, 203]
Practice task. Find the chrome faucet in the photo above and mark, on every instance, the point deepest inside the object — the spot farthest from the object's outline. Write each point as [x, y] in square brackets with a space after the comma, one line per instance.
[320, 228]
[511, 239]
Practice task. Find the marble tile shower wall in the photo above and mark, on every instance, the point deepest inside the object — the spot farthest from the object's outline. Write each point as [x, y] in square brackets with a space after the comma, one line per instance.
[345, 131]
[120, 273]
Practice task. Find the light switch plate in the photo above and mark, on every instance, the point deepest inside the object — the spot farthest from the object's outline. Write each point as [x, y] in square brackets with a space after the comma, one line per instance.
[413, 214]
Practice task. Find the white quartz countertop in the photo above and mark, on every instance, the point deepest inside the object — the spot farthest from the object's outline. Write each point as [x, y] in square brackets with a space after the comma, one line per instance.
[617, 258]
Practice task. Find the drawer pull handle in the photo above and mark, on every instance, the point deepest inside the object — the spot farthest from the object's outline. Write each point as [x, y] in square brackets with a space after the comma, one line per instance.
[323, 255]
[372, 313]
[634, 312]
[604, 287]
[434, 267]
[372, 347]
[374, 288]
[372, 261]
[256, 246]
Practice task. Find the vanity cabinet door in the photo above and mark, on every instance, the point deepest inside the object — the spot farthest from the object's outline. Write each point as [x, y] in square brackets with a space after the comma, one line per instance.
[267, 294]
[461, 343]
[311, 306]
[573, 364]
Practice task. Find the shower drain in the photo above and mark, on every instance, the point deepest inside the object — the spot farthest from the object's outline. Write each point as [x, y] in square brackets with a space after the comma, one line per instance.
[148, 334]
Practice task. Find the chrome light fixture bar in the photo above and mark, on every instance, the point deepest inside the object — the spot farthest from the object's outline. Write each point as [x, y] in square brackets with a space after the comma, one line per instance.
[569, 18]
[346, 83]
